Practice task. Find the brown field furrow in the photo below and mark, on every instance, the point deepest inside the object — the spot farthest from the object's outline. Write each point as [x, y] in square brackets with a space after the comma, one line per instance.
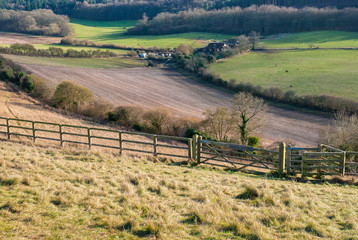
[11, 38]
[154, 87]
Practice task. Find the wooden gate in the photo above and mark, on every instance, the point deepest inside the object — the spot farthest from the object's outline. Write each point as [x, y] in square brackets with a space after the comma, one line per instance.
[324, 160]
[294, 157]
[236, 156]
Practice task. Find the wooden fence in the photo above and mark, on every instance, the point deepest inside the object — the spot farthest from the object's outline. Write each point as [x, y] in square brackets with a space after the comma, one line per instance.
[322, 160]
[157, 145]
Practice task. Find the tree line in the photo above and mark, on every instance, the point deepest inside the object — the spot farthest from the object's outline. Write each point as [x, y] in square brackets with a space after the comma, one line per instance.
[88, 43]
[125, 10]
[39, 22]
[266, 19]
[30, 50]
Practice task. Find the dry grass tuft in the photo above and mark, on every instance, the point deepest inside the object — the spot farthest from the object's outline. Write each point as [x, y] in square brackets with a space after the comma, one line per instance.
[250, 193]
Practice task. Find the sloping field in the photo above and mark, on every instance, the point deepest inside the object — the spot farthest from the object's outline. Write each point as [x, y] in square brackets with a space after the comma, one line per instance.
[154, 87]
[50, 193]
[11, 38]
[113, 32]
[321, 39]
[307, 72]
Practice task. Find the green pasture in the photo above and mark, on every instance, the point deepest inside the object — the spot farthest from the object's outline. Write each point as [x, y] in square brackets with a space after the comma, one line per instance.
[113, 32]
[309, 72]
[321, 39]
[79, 62]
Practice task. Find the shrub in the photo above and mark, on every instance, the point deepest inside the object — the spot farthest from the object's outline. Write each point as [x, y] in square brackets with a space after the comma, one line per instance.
[70, 96]
[156, 119]
[42, 89]
[27, 84]
[8, 74]
[137, 127]
[98, 109]
[253, 141]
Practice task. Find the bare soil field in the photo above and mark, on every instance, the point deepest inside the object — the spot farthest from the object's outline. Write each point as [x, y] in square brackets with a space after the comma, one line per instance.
[155, 87]
[11, 38]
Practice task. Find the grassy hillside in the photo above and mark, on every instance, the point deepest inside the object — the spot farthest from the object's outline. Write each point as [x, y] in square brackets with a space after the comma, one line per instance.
[113, 32]
[50, 193]
[322, 39]
[117, 62]
[331, 72]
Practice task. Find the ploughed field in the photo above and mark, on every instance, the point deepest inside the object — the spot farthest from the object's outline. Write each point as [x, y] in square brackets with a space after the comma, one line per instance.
[163, 87]
[11, 38]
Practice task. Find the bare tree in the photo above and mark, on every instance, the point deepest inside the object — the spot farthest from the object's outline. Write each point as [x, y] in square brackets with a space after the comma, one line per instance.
[342, 133]
[254, 39]
[219, 123]
[249, 113]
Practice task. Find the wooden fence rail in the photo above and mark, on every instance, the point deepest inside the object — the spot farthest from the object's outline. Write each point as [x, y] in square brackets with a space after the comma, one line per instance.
[72, 134]
[321, 160]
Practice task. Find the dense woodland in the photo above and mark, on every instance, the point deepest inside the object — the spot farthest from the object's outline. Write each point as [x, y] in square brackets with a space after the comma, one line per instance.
[134, 9]
[266, 19]
[41, 22]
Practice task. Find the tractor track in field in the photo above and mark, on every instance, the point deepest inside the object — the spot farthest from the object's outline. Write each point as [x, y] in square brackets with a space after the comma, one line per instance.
[163, 87]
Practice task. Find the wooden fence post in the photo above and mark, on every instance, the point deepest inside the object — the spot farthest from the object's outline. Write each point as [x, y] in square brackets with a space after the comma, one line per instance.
[155, 142]
[33, 132]
[303, 166]
[190, 149]
[344, 163]
[194, 147]
[60, 130]
[89, 138]
[120, 143]
[288, 161]
[8, 128]
[282, 158]
[198, 146]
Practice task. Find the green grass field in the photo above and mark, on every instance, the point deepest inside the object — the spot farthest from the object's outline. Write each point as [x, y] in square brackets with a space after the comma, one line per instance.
[113, 32]
[316, 72]
[79, 62]
[322, 39]
[51, 193]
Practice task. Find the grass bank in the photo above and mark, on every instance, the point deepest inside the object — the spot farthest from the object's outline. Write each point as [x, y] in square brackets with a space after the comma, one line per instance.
[54, 193]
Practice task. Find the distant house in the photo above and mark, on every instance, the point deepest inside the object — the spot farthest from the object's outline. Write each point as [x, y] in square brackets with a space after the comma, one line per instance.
[214, 47]
[232, 42]
[218, 46]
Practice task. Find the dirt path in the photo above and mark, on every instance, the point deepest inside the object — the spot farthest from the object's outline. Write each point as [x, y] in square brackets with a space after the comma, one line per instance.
[155, 87]
[11, 38]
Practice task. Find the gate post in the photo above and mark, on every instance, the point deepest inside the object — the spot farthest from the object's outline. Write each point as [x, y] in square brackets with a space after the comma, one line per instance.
[198, 146]
[288, 162]
[344, 163]
[282, 158]
[194, 147]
